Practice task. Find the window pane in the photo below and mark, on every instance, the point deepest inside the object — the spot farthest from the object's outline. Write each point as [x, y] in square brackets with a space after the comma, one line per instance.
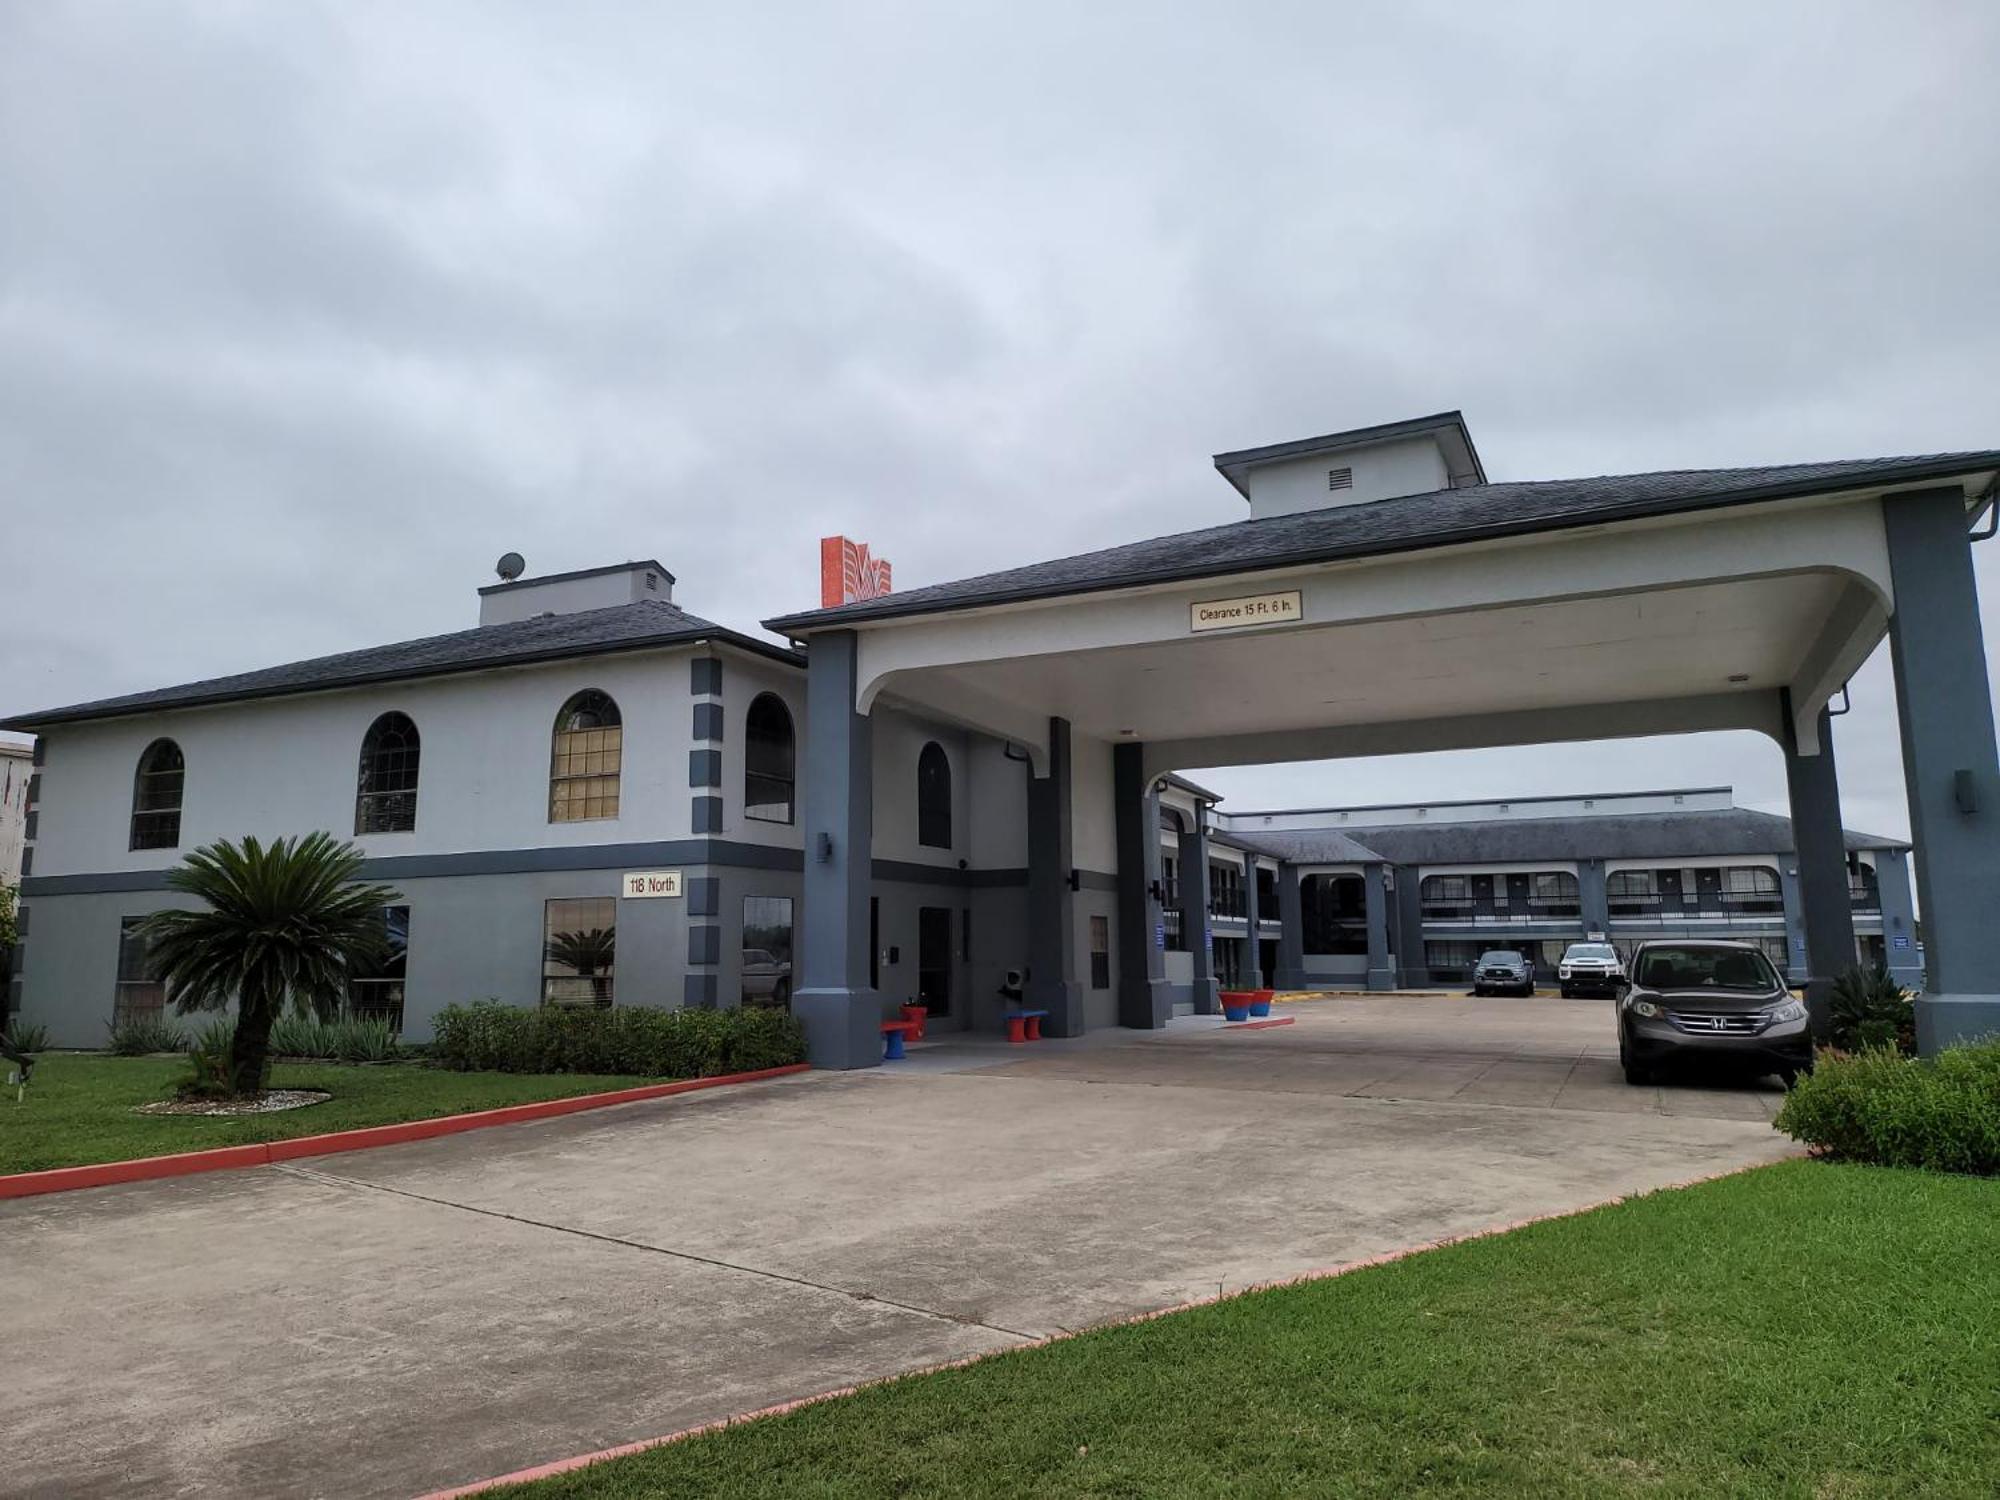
[156, 797]
[767, 951]
[768, 760]
[138, 995]
[579, 945]
[585, 759]
[934, 797]
[1100, 953]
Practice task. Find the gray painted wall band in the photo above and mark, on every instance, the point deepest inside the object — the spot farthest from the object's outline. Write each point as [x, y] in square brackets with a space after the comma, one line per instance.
[708, 721]
[478, 862]
[704, 768]
[706, 814]
[704, 896]
[704, 943]
[705, 676]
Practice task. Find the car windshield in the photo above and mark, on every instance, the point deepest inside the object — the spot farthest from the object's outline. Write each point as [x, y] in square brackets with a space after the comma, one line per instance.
[1499, 956]
[1590, 950]
[1694, 968]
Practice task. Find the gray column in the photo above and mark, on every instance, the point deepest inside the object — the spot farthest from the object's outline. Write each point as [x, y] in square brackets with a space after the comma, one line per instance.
[1795, 921]
[1052, 981]
[1291, 932]
[1194, 914]
[1820, 847]
[1899, 919]
[1951, 769]
[842, 1015]
[1252, 971]
[1593, 906]
[1144, 1000]
[1413, 964]
[1376, 902]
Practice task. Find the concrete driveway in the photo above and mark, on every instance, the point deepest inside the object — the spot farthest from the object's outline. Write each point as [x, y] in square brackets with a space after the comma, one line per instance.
[397, 1320]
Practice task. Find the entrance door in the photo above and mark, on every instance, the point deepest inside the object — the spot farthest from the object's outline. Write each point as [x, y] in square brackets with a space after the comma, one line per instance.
[934, 959]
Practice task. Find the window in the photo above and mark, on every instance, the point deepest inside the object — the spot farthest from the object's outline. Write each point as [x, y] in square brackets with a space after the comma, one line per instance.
[1751, 888]
[768, 760]
[579, 944]
[1446, 896]
[1706, 968]
[140, 996]
[156, 797]
[1863, 889]
[1632, 893]
[1100, 953]
[377, 991]
[1448, 960]
[1333, 911]
[933, 797]
[767, 951]
[589, 751]
[386, 801]
[1555, 894]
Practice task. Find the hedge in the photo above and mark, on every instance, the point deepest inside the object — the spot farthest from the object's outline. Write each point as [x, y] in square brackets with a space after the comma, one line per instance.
[1878, 1106]
[633, 1040]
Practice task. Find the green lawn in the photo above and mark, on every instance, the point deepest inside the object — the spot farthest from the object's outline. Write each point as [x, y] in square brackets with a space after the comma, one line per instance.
[1803, 1330]
[79, 1108]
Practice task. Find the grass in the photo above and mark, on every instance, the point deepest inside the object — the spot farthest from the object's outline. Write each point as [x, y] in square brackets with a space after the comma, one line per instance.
[79, 1108]
[1804, 1330]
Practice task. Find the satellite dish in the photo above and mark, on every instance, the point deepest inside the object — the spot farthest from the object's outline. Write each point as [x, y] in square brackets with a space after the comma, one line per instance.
[511, 566]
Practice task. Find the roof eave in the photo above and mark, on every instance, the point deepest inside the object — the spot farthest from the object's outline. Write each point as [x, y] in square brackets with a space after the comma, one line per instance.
[805, 623]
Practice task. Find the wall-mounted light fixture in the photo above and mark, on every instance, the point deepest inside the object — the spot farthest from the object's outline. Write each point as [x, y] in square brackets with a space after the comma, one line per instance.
[1965, 791]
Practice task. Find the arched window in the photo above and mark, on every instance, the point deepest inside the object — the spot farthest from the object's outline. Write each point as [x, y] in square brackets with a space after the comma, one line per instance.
[385, 799]
[768, 760]
[583, 768]
[156, 797]
[933, 797]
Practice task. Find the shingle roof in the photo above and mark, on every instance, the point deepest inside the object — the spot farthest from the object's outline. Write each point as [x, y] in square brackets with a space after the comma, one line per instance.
[591, 632]
[1666, 835]
[1318, 846]
[1404, 524]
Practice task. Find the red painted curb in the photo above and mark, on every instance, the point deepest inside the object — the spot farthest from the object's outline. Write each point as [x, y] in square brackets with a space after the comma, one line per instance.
[1344, 1268]
[1261, 1025]
[263, 1153]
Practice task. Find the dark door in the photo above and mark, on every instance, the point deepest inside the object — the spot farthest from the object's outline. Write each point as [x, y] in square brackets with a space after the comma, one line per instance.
[934, 959]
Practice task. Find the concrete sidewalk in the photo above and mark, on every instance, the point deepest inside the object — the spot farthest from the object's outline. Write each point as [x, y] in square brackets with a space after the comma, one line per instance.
[398, 1320]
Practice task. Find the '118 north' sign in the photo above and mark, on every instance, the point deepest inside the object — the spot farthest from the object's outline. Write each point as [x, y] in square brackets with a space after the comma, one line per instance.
[653, 883]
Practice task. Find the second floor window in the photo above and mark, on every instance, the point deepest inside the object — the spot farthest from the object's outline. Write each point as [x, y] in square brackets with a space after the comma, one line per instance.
[386, 799]
[588, 754]
[156, 797]
[933, 797]
[768, 760]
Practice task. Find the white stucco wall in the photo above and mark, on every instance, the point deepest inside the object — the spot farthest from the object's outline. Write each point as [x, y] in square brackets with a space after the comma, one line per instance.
[1413, 466]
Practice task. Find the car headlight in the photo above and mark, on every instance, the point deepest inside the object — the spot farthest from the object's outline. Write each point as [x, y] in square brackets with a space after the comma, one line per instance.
[1793, 1009]
[1564, 971]
[1644, 1008]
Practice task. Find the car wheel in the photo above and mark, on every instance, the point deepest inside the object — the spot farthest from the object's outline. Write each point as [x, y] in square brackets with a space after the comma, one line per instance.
[1568, 992]
[1636, 1073]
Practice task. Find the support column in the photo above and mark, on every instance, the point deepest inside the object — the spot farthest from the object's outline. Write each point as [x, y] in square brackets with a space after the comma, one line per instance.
[1291, 931]
[1052, 982]
[841, 1013]
[1253, 971]
[1899, 919]
[1376, 904]
[1194, 914]
[1413, 964]
[1795, 922]
[1951, 768]
[1593, 904]
[1820, 846]
[1143, 998]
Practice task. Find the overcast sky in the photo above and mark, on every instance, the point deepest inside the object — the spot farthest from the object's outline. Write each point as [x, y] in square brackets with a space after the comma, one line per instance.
[308, 312]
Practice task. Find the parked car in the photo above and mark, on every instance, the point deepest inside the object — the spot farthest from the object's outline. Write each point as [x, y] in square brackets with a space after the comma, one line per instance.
[1503, 969]
[1589, 969]
[1714, 1000]
[767, 980]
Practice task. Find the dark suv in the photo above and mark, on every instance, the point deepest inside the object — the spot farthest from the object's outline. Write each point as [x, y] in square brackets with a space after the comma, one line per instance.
[1503, 969]
[1723, 1001]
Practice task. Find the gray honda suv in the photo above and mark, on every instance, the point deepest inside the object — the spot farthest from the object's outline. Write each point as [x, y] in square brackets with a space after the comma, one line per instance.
[1690, 998]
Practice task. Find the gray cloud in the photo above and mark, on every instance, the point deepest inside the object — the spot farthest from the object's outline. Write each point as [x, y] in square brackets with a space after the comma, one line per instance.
[308, 312]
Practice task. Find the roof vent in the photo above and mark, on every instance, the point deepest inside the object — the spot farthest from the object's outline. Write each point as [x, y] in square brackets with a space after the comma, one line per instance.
[1340, 479]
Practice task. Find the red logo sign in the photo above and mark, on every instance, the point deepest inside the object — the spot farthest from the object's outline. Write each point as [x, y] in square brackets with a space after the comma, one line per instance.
[848, 574]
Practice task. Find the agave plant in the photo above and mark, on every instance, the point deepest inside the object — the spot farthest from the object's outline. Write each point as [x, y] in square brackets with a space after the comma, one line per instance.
[285, 923]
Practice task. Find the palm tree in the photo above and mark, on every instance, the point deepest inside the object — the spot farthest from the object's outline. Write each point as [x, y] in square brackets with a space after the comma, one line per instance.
[285, 921]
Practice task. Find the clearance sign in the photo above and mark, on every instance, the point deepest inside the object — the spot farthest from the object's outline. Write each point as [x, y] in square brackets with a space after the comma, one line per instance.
[847, 574]
[1251, 609]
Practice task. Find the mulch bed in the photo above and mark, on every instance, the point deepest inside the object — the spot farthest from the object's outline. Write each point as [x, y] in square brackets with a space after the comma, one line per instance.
[269, 1102]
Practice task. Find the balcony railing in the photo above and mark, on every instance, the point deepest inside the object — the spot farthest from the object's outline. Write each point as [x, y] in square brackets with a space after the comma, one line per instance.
[1227, 904]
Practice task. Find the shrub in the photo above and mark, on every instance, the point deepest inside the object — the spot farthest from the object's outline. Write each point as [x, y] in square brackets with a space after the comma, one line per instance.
[136, 1038]
[1869, 1009]
[25, 1036]
[351, 1039]
[631, 1039]
[1879, 1106]
[208, 1062]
